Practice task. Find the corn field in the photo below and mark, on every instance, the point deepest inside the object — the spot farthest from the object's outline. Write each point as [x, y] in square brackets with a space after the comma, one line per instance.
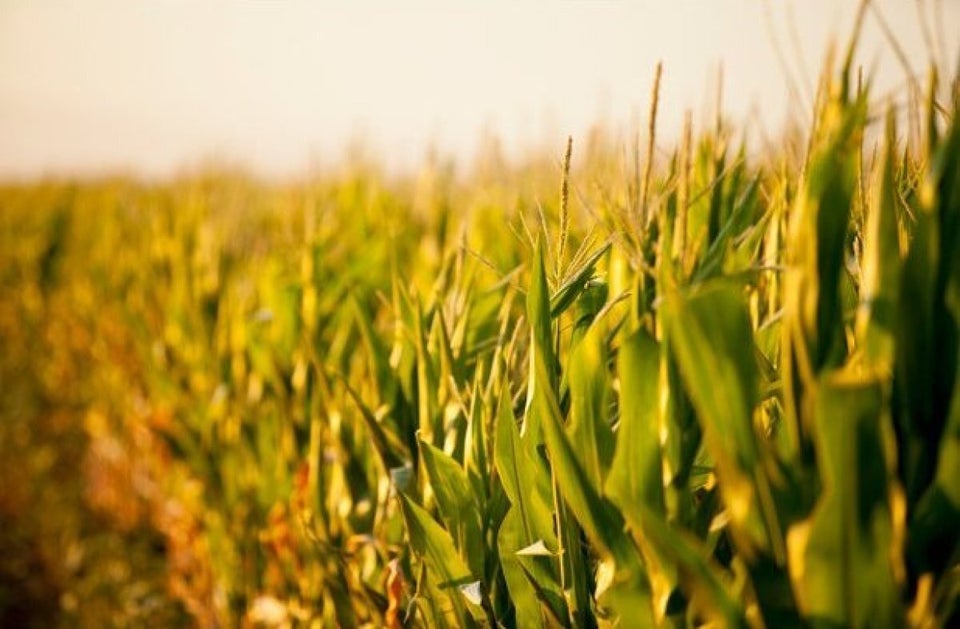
[694, 387]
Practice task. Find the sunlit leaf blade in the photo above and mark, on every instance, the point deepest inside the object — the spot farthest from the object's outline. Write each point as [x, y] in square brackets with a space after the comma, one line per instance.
[814, 334]
[458, 504]
[541, 339]
[430, 419]
[524, 479]
[699, 577]
[547, 594]
[530, 518]
[845, 559]
[636, 478]
[589, 425]
[511, 538]
[390, 452]
[476, 442]
[708, 331]
[431, 542]
[568, 292]
[601, 522]
[880, 280]
[739, 221]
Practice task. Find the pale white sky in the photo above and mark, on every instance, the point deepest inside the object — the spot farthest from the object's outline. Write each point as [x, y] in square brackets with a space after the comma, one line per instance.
[149, 87]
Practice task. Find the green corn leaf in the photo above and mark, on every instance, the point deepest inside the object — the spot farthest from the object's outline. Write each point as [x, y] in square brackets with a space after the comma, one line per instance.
[814, 324]
[683, 438]
[476, 443]
[390, 451]
[709, 332]
[511, 538]
[430, 419]
[436, 548]
[568, 292]
[379, 357]
[843, 559]
[449, 365]
[525, 480]
[457, 503]
[737, 223]
[700, 578]
[927, 334]
[601, 522]
[550, 602]
[636, 478]
[881, 267]
[541, 340]
[932, 540]
[589, 405]
[530, 518]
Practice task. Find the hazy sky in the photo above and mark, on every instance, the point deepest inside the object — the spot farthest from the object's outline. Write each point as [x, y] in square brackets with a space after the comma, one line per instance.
[148, 87]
